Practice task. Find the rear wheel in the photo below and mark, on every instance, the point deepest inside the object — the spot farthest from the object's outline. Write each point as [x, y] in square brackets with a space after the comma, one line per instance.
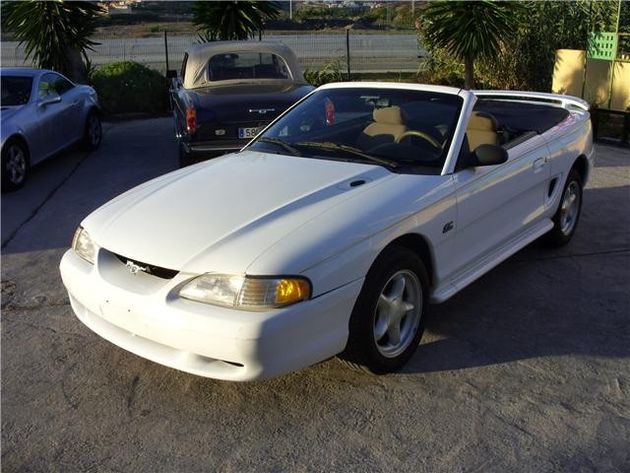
[185, 157]
[14, 165]
[93, 132]
[566, 218]
[388, 318]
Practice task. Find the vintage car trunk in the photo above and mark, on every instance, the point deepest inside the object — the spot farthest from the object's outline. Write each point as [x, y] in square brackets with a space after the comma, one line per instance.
[221, 111]
[227, 91]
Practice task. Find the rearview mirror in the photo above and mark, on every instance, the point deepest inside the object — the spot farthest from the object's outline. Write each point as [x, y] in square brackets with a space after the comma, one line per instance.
[489, 155]
[49, 101]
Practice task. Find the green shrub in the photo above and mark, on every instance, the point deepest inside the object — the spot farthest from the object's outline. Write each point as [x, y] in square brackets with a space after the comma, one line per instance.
[330, 73]
[129, 87]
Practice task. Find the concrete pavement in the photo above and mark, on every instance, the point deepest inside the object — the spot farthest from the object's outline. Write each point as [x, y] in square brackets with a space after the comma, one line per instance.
[528, 369]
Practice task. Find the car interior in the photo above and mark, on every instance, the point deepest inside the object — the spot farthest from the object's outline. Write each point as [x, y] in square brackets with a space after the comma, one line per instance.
[414, 129]
[388, 127]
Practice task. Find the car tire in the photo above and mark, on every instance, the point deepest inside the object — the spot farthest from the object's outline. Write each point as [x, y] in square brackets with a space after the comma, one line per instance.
[566, 218]
[387, 321]
[185, 157]
[93, 132]
[15, 165]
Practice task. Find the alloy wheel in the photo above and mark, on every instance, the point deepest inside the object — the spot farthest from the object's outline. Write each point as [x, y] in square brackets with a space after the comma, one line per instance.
[15, 166]
[398, 313]
[569, 208]
[94, 130]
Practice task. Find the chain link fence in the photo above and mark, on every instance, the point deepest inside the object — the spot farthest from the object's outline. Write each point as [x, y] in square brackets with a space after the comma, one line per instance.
[368, 52]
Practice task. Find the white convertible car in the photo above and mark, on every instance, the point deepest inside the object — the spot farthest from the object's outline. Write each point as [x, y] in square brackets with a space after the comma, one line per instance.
[332, 230]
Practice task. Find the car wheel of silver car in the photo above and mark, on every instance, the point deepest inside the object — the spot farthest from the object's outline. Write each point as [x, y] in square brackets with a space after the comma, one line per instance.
[93, 132]
[567, 216]
[388, 318]
[14, 165]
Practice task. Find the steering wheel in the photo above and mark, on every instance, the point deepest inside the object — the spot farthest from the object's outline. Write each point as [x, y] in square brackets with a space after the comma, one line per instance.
[420, 134]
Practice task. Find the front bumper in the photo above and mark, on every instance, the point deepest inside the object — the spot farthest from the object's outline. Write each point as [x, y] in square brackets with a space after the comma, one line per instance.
[202, 339]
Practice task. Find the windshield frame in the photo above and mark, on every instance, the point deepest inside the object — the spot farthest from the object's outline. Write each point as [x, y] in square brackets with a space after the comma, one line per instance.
[452, 144]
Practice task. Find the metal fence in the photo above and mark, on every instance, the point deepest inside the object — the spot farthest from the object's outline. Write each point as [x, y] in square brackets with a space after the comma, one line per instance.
[369, 52]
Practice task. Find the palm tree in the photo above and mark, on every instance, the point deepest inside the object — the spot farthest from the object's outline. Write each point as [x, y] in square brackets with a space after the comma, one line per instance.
[56, 33]
[232, 20]
[469, 30]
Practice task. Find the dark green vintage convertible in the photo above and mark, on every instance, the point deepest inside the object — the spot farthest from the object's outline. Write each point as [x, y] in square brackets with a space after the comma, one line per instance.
[227, 91]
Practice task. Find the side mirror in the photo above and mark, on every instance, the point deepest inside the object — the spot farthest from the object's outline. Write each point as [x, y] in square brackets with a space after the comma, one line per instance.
[49, 101]
[171, 74]
[489, 155]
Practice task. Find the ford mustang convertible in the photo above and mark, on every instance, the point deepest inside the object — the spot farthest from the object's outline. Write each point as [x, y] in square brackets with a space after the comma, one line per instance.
[332, 231]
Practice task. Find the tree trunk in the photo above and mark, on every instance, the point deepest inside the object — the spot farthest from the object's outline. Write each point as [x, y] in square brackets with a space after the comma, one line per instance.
[76, 68]
[469, 79]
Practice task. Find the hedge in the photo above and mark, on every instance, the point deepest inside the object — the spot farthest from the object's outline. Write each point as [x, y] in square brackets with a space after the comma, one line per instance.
[130, 87]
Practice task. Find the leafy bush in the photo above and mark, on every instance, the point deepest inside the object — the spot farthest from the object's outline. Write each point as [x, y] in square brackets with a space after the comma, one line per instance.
[442, 68]
[129, 87]
[330, 73]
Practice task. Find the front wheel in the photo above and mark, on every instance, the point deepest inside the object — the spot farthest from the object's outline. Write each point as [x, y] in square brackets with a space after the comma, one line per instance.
[14, 165]
[388, 318]
[566, 218]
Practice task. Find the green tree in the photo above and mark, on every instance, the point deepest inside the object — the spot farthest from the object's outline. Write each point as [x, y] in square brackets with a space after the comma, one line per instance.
[469, 30]
[56, 33]
[234, 20]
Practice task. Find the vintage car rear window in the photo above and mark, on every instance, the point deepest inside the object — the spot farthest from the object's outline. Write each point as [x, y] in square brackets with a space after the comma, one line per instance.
[406, 130]
[247, 65]
[16, 90]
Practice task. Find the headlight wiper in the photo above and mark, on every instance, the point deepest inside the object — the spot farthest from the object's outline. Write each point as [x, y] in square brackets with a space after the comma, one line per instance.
[349, 149]
[280, 142]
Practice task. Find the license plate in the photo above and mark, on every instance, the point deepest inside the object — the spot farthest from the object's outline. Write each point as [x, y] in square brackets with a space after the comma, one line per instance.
[248, 132]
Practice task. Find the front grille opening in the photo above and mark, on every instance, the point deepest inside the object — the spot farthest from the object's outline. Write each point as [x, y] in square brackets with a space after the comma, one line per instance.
[157, 271]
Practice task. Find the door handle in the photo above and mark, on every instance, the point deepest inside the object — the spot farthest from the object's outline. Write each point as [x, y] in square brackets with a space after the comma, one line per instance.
[539, 164]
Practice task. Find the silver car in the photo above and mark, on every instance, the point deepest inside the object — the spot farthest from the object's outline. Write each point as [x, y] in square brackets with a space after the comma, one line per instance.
[42, 113]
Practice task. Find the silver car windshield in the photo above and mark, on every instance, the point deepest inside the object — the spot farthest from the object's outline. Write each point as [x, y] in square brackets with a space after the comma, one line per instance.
[399, 129]
[16, 90]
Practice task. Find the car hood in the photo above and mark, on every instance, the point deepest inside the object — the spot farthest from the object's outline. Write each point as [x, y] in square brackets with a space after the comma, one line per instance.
[220, 215]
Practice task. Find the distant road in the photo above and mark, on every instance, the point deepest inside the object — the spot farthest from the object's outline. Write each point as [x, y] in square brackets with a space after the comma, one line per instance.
[368, 52]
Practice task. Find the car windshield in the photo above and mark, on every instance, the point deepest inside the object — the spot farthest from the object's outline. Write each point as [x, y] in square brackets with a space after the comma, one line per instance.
[247, 65]
[16, 90]
[404, 130]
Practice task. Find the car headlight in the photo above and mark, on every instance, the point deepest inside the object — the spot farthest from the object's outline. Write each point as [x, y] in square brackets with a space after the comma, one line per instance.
[247, 292]
[83, 245]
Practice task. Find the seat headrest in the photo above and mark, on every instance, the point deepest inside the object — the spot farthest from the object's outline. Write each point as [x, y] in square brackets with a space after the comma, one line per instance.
[388, 115]
[482, 121]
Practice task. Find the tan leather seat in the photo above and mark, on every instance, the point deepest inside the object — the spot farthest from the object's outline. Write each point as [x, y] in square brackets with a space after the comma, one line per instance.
[482, 129]
[388, 124]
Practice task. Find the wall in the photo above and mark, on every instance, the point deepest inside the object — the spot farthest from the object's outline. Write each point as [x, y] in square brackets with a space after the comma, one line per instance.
[569, 76]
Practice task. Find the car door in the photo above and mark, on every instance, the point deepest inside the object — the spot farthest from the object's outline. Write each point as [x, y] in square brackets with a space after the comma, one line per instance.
[497, 204]
[71, 108]
[49, 110]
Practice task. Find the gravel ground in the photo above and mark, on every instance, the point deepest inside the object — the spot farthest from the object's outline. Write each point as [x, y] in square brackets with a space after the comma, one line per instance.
[528, 369]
